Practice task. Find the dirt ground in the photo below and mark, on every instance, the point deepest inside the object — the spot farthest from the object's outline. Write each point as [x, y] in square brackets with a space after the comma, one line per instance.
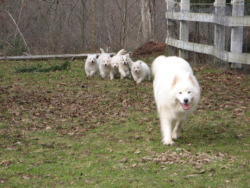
[151, 48]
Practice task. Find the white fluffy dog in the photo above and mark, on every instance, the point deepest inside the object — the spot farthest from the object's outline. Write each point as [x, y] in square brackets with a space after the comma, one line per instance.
[176, 92]
[91, 65]
[115, 63]
[104, 64]
[114, 69]
[140, 71]
[125, 66]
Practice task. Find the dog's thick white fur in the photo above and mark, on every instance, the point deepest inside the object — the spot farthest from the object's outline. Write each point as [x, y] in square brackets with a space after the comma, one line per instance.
[176, 92]
[125, 66]
[140, 71]
[91, 65]
[104, 64]
[115, 62]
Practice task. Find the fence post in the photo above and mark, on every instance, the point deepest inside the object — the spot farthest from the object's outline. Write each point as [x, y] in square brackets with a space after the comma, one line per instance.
[184, 27]
[170, 8]
[237, 32]
[219, 30]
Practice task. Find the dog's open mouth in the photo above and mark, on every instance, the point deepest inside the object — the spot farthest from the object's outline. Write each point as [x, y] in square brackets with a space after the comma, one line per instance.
[185, 106]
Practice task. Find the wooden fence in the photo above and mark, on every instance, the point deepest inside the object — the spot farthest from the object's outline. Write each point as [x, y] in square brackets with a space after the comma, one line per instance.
[46, 57]
[236, 22]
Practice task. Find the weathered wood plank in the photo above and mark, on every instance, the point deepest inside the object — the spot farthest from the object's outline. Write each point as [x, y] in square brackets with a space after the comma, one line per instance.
[184, 27]
[229, 21]
[45, 57]
[237, 32]
[210, 50]
[219, 30]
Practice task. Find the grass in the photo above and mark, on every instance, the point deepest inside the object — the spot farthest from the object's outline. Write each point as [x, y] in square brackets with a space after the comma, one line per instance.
[53, 132]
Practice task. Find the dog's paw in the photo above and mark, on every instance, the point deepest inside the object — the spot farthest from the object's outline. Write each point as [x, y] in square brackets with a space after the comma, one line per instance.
[175, 136]
[168, 143]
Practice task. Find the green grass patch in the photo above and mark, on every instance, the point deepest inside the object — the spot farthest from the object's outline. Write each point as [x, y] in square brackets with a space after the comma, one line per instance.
[53, 132]
[41, 68]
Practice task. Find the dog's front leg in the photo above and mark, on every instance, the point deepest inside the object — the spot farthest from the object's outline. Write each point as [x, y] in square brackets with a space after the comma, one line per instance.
[111, 75]
[122, 73]
[177, 130]
[139, 80]
[92, 73]
[166, 129]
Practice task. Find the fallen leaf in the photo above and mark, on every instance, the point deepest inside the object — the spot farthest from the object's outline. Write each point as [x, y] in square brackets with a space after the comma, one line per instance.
[134, 165]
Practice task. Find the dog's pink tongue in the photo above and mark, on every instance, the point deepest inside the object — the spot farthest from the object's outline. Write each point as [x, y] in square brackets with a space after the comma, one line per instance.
[185, 106]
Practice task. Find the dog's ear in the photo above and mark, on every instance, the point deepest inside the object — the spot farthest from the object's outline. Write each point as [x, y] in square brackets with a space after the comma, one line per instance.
[190, 77]
[175, 80]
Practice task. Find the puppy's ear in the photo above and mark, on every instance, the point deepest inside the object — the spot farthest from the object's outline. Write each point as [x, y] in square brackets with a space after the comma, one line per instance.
[175, 80]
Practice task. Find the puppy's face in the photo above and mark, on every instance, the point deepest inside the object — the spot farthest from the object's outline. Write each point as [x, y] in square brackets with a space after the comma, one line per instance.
[106, 61]
[114, 64]
[125, 59]
[136, 67]
[92, 59]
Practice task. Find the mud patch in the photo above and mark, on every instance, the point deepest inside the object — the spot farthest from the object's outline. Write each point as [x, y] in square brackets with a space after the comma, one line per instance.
[151, 48]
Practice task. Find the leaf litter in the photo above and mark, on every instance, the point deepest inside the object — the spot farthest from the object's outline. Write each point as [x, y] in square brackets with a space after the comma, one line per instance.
[186, 157]
[71, 110]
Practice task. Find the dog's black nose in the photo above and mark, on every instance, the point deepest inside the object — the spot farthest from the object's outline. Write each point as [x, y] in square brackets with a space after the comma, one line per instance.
[186, 101]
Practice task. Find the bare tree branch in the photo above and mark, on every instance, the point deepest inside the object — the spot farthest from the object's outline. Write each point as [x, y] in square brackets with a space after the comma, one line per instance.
[26, 45]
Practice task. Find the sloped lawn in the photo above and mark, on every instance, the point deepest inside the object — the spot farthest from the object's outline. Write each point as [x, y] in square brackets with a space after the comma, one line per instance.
[56, 133]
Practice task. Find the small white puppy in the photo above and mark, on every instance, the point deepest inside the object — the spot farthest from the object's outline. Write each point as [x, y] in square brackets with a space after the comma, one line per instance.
[125, 66]
[176, 92]
[140, 71]
[115, 62]
[104, 64]
[91, 65]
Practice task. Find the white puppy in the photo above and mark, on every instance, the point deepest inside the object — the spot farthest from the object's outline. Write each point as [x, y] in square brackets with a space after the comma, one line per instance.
[115, 62]
[176, 92]
[125, 66]
[114, 69]
[104, 64]
[140, 71]
[91, 65]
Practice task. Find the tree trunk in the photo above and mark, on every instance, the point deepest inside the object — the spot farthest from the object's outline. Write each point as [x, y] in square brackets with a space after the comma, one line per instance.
[83, 20]
[147, 19]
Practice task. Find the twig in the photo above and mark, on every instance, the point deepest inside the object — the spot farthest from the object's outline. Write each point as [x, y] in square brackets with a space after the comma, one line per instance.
[19, 16]
[26, 45]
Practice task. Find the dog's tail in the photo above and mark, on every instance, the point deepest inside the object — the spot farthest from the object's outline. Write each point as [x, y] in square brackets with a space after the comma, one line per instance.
[121, 52]
[102, 51]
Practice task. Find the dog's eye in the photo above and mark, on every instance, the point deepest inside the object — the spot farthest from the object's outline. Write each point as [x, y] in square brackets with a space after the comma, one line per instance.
[189, 92]
[180, 92]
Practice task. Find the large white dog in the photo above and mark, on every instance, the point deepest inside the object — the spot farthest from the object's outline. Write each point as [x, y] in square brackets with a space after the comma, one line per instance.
[176, 92]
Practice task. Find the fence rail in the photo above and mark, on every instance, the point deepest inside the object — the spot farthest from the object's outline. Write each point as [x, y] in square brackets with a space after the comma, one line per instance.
[210, 50]
[45, 57]
[229, 21]
[237, 22]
